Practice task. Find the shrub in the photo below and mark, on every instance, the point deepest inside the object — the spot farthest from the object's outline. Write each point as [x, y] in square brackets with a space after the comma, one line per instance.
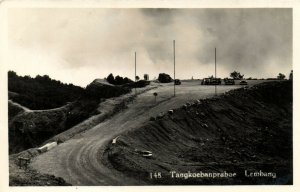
[164, 78]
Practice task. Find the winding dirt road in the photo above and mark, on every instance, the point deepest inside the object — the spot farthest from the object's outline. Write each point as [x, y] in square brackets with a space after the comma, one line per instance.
[78, 160]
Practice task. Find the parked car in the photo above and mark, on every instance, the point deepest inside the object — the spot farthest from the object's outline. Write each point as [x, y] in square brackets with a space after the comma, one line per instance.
[143, 153]
[146, 153]
[177, 82]
[229, 81]
[211, 81]
[243, 83]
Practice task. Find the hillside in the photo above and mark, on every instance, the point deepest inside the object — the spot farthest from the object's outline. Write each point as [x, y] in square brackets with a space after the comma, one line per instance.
[107, 108]
[244, 129]
[41, 92]
[30, 128]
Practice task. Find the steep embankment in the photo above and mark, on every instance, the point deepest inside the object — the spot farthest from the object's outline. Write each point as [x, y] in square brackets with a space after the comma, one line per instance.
[243, 130]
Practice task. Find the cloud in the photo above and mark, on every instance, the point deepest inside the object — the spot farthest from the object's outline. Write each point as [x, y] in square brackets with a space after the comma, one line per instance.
[91, 43]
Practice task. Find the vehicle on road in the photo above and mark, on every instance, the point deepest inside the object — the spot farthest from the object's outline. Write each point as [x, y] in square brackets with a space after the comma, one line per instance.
[177, 82]
[211, 81]
[146, 153]
[243, 83]
[229, 81]
[143, 153]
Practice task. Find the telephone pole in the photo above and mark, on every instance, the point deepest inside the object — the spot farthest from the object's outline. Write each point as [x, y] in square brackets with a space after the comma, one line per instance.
[174, 64]
[216, 71]
[135, 72]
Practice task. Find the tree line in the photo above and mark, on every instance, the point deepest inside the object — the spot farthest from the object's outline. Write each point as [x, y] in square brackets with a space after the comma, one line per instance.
[41, 92]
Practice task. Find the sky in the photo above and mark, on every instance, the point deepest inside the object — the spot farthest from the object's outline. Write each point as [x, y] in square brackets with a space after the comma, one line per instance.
[78, 45]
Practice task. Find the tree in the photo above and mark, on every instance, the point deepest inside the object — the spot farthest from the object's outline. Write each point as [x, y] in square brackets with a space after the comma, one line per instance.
[110, 79]
[127, 80]
[42, 92]
[12, 74]
[119, 80]
[236, 75]
[27, 77]
[280, 76]
[291, 75]
[46, 78]
[164, 78]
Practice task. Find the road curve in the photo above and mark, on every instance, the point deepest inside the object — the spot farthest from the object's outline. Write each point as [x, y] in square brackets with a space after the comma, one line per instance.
[78, 160]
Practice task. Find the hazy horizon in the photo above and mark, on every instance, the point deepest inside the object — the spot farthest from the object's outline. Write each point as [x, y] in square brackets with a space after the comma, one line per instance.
[78, 45]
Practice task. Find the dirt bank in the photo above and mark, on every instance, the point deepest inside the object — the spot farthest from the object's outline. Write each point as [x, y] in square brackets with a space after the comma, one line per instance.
[242, 130]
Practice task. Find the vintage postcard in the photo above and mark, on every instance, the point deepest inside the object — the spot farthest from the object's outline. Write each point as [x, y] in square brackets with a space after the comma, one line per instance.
[120, 94]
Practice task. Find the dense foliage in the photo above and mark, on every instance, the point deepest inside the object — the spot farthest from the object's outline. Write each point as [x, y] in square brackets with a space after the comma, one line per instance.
[97, 91]
[236, 75]
[281, 76]
[118, 80]
[164, 78]
[41, 92]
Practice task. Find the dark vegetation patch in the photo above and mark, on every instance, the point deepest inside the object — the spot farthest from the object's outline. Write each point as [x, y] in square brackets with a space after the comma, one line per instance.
[118, 80]
[13, 110]
[98, 90]
[41, 92]
[164, 78]
[126, 82]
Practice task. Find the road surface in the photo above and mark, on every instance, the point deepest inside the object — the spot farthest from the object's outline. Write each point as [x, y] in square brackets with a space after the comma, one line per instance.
[78, 160]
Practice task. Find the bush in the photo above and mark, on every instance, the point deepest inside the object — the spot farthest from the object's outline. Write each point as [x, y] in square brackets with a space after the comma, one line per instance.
[110, 79]
[164, 78]
[142, 83]
[97, 91]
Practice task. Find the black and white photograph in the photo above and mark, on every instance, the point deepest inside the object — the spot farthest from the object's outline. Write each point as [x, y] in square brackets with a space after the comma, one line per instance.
[149, 96]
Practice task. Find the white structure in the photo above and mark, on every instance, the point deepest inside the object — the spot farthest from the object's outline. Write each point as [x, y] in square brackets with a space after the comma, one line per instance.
[47, 147]
[114, 141]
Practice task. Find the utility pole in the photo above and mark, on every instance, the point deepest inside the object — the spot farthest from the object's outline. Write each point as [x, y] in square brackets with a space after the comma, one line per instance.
[135, 72]
[216, 71]
[174, 64]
